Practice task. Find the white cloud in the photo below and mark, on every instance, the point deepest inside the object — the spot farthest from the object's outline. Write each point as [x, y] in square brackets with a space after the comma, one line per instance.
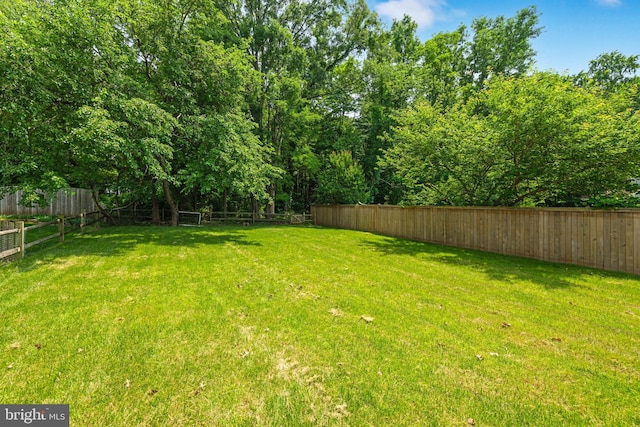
[612, 3]
[423, 12]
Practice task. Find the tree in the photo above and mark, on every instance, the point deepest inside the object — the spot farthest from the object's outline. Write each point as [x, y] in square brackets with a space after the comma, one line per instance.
[294, 46]
[184, 68]
[610, 71]
[501, 47]
[107, 154]
[537, 140]
[390, 71]
[48, 70]
[444, 63]
[216, 102]
[441, 159]
[448, 68]
[613, 73]
[342, 181]
[127, 97]
[229, 160]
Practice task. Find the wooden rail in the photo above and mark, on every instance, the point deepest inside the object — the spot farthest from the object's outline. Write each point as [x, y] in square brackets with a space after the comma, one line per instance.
[15, 245]
[7, 232]
[12, 240]
[135, 215]
[257, 217]
[605, 239]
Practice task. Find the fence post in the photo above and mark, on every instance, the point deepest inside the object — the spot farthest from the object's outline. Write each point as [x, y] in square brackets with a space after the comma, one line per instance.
[20, 238]
[83, 220]
[60, 228]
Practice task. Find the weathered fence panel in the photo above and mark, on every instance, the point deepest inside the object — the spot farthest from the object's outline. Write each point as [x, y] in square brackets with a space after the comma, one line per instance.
[7, 239]
[11, 240]
[68, 202]
[604, 239]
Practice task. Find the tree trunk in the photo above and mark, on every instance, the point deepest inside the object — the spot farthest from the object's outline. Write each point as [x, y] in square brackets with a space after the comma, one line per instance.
[96, 198]
[155, 211]
[224, 203]
[254, 209]
[173, 206]
[271, 204]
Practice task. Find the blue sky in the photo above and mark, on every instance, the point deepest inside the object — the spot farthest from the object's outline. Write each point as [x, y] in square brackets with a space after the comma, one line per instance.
[575, 31]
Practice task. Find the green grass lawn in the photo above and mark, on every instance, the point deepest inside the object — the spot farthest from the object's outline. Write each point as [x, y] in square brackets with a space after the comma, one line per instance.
[264, 326]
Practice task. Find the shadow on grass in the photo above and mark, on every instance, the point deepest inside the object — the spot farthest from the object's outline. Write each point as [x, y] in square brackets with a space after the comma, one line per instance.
[505, 268]
[118, 240]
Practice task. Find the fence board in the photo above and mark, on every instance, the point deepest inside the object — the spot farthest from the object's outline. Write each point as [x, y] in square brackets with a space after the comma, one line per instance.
[581, 235]
[636, 243]
[66, 202]
[608, 239]
[603, 239]
[483, 235]
[558, 238]
[10, 240]
[629, 249]
[592, 239]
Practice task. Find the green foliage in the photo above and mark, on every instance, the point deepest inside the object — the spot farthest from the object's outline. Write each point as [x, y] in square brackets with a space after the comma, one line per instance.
[246, 100]
[229, 158]
[296, 47]
[501, 47]
[342, 181]
[523, 141]
[108, 94]
[443, 67]
[444, 70]
[610, 71]
[612, 201]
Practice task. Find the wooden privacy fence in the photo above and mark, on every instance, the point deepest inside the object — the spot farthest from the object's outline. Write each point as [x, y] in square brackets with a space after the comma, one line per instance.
[605, 239]
[13, 241]
[66, 202]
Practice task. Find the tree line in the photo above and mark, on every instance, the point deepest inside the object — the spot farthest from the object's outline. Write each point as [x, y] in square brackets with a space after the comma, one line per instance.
[278, 104]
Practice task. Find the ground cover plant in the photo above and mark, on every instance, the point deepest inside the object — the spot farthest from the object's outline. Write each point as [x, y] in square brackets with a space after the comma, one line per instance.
[311, 326]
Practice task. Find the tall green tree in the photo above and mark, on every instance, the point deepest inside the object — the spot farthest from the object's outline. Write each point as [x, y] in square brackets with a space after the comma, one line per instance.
[444, 63]
[390, 72]
[184, 67]
[611, 70]
[205, 102]
[443, 70]
[539, 140]
[48, 70]
[127, 96]
[294, 46]
[613, 73]
[501, 47]
[342, 181]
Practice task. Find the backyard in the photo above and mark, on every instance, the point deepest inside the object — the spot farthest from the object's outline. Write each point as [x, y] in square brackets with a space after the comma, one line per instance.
[301, 325]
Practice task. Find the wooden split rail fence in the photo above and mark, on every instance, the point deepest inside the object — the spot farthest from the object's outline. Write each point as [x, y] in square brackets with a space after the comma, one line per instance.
[605, 239]
[257, 217]
[13, 242]
[133, 215]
